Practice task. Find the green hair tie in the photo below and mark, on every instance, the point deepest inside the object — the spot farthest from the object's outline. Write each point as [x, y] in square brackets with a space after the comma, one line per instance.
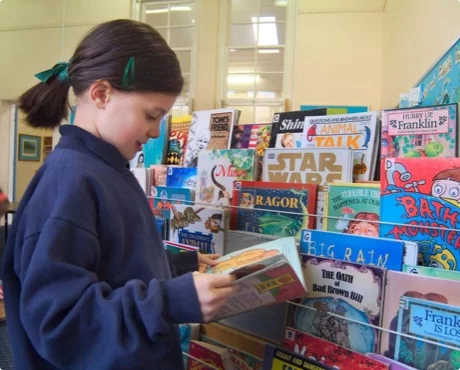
[128, 76]
[61, 70]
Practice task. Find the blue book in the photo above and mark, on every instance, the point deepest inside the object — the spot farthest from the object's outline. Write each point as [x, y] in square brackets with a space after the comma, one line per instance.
[163, 197]
[181, 177]
[430, 320]
[381, 252]
[154, 150]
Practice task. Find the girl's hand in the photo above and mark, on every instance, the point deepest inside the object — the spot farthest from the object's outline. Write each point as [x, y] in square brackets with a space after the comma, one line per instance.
[206, 260]
[213, 292]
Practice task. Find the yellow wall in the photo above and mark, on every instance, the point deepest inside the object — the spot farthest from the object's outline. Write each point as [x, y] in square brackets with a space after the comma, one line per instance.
[416, 34]
[4, 144]
[338, 59]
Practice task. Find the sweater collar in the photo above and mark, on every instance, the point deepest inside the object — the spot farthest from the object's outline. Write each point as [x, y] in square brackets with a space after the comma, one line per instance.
[107, 152]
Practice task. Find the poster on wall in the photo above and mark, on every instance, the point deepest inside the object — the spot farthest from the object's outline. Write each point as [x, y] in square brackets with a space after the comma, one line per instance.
[441, 83]
[337, 109]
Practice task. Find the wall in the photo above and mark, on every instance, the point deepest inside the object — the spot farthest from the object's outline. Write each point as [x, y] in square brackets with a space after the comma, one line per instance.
[338, 59]
[416, 34]
[5, 120]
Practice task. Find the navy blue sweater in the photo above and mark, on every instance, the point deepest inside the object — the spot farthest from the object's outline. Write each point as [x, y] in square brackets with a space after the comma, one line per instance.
[87, 282]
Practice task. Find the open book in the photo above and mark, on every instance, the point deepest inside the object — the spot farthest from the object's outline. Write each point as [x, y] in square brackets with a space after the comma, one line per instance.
[266, 273]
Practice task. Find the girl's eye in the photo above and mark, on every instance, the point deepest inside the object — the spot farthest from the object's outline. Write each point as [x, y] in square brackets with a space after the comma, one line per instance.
[150, 118]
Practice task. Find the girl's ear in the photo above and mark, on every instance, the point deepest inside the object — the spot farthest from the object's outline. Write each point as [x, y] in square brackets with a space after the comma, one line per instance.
[100, 93]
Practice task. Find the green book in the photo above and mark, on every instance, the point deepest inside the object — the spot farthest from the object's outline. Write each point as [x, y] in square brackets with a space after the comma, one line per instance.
[432, 271]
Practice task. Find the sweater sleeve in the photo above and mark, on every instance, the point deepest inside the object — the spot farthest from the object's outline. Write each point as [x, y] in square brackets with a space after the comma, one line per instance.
[76, 321]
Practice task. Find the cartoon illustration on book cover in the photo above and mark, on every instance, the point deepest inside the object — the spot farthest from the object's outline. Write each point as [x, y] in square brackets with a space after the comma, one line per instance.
[423, 197]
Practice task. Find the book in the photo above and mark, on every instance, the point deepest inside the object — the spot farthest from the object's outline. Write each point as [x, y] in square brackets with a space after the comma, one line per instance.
[181, 177]
[381, 252]
[394, 365]
[218, 169]
[352, 208]
[162, 197]
[357, 131]
[345, 289]
[329, 353]
[410, 285]
[267, 273]
[287, 128]
[208, 354]
[432, 271]
[202, 227]
[420, 202]
[274, 208]
[209, 130]
[178, 139]
[420, 132]
[178, 247]
[429, 320]
[277, 358]
[159, 174]
[307, 166]
[155, 148]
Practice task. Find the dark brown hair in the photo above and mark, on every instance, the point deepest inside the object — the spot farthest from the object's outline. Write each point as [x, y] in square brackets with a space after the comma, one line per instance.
[450, 174]
[103, 55]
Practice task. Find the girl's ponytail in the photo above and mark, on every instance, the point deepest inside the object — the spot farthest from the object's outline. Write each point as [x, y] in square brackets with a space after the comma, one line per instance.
[46, 104]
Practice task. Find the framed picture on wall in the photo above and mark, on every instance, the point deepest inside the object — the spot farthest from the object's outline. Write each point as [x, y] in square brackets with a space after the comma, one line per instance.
[29, 147]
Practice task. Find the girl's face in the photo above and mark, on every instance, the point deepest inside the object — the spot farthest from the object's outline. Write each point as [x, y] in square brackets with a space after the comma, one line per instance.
[129, 120]
[364, 228]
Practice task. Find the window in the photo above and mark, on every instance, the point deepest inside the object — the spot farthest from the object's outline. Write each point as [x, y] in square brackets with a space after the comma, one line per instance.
[256, 58]
[175, 20]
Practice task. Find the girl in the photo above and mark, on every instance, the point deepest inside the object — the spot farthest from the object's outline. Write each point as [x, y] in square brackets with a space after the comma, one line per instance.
[88, 284]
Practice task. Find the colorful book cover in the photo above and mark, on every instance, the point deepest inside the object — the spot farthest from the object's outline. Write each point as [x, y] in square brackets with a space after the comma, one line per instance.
[329, 353]
[346, 289]
[433, 321]
[250, 136]
[181, 177]
[175, 248]
[357, 131]
[417, 286]
[352, 209]
[266, 274]
[208, 354]
[155, 149]
[159, 174]
[308, 166]
[394, 365]
[287, 128]
[202, 227]
[162, 197]
[337, 109]
[320, 204]
[421, 197]
[420, 132]
[178, 139]
[209, 130]
[432, 271]
[218, 169]
[384, 253]
[277, 358]
[273, 208]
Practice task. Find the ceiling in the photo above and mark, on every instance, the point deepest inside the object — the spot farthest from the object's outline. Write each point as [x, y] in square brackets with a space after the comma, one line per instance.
[340, 6]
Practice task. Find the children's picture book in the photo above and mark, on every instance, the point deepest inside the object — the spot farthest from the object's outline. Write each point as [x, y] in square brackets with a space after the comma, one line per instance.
[277, 358]
[394, 365]
[178, 139]
[175, 248]
[181, 177]
[250, 136]
[417, 286]
[209, 130]
[155, 149]
[208, 354]
[267, 273]
[162, 197]
[337, 109]
[357, 131]
[287, 128]
[308, 166]
[345, 289]
[420, 132]
[384, 253]
[432, 271]
[352, 209]
[420, 200]
[137, 161]
[218, 169]
[202, 227]
[188, 332]
[275, 208]
[329, 353]
[429, 320]
[159, 172]
[320, 203]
